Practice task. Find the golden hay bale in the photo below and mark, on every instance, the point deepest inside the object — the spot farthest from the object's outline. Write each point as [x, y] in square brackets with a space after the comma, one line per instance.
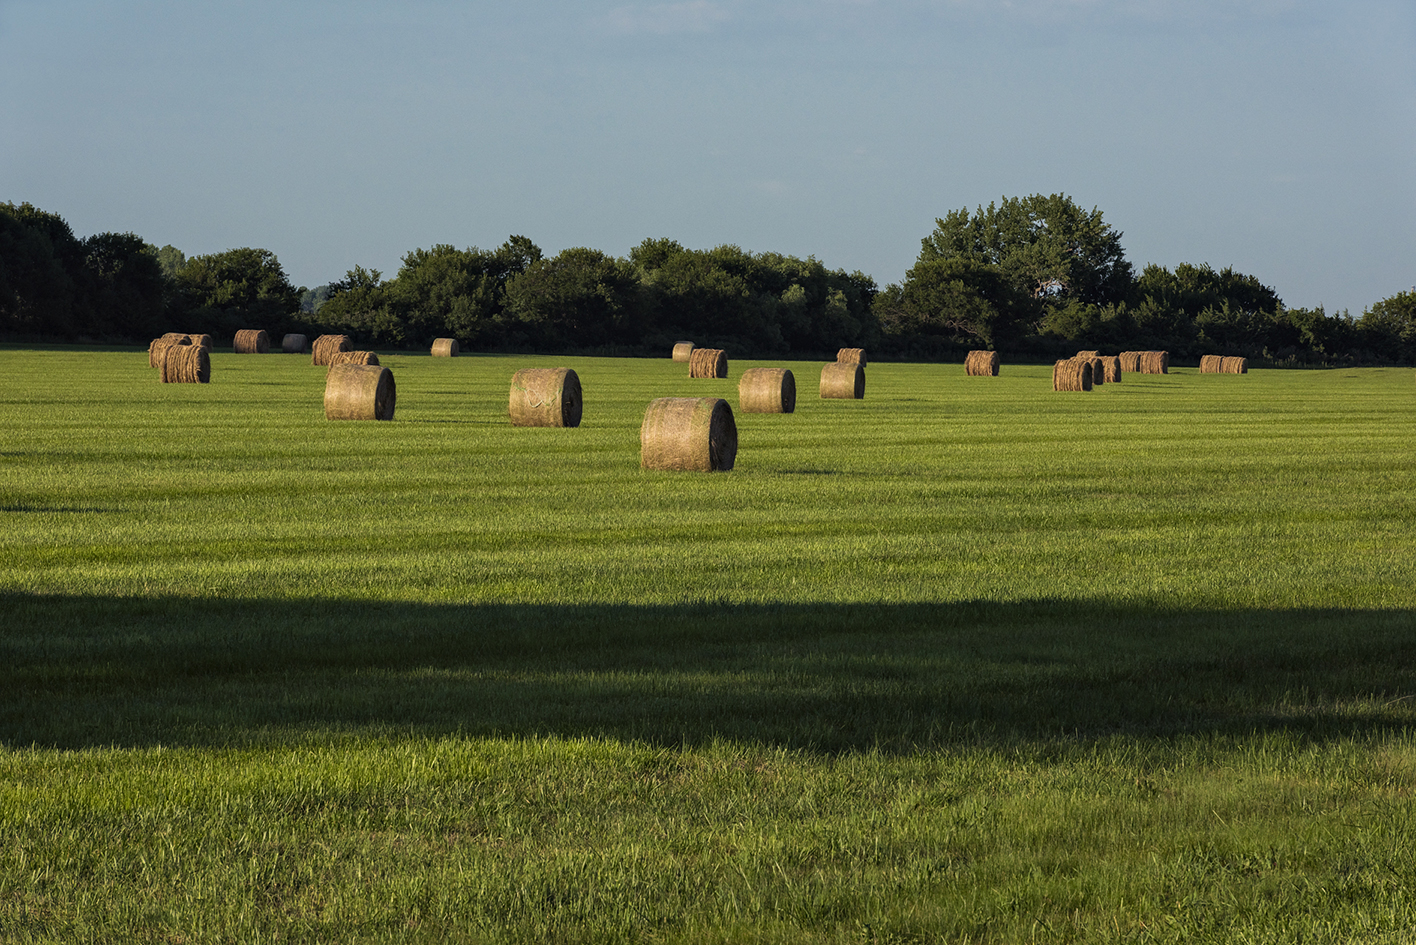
[1072, 374]
[1211, 364]
[294, 344]
[1155, 362]
[157, 350]
[1111, 369]
[186, 364]
[981, 364]
[767, 390]
[353, 357]
[545, 397]
[843, 381]
[683, 351]
[203, 340]
[707, 362]
[445, 348]
[1234, 366]
[359, 392]
[851, 356]
[325, 347]
[1098, 370]
[177, 338]
[1131, 362]
[251, 341]
[1088, 354]
[696, 434]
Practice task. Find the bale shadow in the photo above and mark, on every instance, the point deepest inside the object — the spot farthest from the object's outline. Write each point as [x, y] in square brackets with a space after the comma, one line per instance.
[79, 672]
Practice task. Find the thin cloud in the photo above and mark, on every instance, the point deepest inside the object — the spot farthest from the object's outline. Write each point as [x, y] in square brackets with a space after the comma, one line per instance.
[664, 19]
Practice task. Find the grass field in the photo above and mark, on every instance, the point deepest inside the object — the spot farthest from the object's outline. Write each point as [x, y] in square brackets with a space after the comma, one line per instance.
[965, 661]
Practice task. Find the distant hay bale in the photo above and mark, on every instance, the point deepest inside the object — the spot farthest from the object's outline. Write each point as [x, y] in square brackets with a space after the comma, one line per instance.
[695, 434]
[1072, 374]
[445, 348]
[186, 364]
[683, 351]
[1146, 362]
[1111, 369]
[981, 364]
[359, 392]
[767, 390]
[851, 356]
[707, 362]
[1098, 370]
[1131, 362]
[545, 397]
[843, 381]
[177, 338]
[1211, 364]
[204, 340]
[353, 357]
[294, 344]
[157, 350]
[1088, 354]
[1234, 366]
[326, 346]
[251, 341]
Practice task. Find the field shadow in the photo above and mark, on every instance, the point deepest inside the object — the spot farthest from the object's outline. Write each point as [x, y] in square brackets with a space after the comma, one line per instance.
[78, 672]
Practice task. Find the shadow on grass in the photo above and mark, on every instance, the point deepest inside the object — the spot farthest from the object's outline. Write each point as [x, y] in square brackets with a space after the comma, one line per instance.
[78, 672]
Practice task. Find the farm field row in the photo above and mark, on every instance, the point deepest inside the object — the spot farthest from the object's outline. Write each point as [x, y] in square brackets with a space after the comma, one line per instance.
[965, 660]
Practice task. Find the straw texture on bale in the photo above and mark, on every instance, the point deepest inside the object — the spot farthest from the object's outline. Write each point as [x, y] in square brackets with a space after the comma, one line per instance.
[1111, 368]
[359, 392]
[545, 397]
[177, 338]
[843, 382]
[1072, 374]
[186, 364]
[982, 364]
[851, 356]
[1234, 366]
[695, 434]
[1211, 364]
[707, 362]
[204, 340]
[683, 350]
[294, 344]
[251, 341]
[325, 346]
[767, 390]
[1088, 354]
[158, 350]
[1098, 370]
[1131, 362]
[445, 348]
[353, 357]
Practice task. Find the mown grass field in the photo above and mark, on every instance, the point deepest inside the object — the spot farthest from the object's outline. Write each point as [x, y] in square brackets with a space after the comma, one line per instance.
[966, 661]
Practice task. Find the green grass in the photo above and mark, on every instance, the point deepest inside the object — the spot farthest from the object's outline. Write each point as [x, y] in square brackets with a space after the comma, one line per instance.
[968, 660]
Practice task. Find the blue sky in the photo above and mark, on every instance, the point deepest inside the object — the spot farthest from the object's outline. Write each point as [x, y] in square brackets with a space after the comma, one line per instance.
[1274, 136]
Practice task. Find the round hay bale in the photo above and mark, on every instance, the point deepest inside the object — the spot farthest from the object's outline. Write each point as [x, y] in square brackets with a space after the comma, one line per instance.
[843, 381]
[1155, 362]
[204, 340]
[1234, 366]
[325, 347]
[1211, 364]
[981, 364]
[683, 350]
[1098, 370]
[767, 390]
[1111, 369]
[1072, 374]
[696, 434]
[186, 364]
[545, 397]
[445, 348]
[359, 392]
[1088, 354]
[157, 350]
[294, 344]
[707, 362]
[1131, 361]
[251, 341]
[177, 338]
[353, 357]
[851, 356]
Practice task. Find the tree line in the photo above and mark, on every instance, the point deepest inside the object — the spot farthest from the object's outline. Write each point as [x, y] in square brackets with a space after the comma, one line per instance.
[1031, 277]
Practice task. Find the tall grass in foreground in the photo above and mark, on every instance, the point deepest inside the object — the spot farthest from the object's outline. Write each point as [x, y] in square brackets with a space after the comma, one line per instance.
[968, 660]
